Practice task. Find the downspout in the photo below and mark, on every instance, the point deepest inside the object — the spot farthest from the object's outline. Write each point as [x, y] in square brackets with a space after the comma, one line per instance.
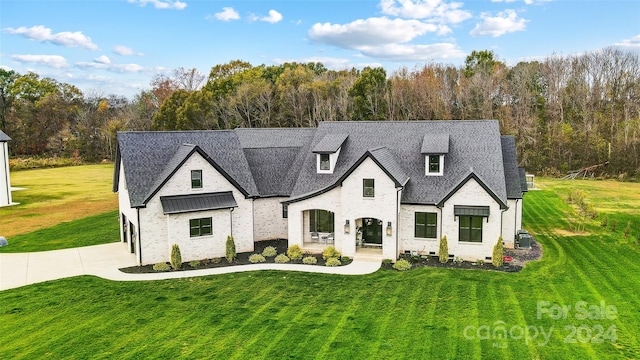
[139, 245]
[398, 190]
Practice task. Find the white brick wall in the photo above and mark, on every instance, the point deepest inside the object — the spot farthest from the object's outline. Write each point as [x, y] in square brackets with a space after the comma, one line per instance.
[511, 222]
[408, 241]
[347, 203]
[268, 222]
[471, 194]
[5, 183]
[156, 239]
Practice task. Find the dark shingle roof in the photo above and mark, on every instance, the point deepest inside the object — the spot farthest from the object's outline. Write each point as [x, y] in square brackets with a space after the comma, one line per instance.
[4, 137]
[197, 202]
[330, 143]
[523, 180]
[435, 144]
[281, 162]
[472, 144]
[511, 174]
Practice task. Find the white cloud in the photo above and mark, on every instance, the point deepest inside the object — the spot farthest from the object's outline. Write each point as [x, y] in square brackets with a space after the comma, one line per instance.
[506, 1]
[44, 34]
[227, 14]
[532, 2]
[632, 43]
[158, 4]
[272, 18]
[435, 10]
[118, 68]
[125, 51]
[54, 61]
[410, 52]
[103, 59]
[505, 22]
[369, 32]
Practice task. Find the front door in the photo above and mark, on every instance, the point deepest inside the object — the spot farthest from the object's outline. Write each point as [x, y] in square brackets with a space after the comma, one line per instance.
[372, 231]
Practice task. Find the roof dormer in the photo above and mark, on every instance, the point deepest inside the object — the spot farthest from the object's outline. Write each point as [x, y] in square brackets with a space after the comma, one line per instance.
[327, 151]
[434, 147]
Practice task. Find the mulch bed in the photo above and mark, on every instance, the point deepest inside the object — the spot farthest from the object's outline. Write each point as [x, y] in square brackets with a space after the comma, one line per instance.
[281, 246]
[520, 258]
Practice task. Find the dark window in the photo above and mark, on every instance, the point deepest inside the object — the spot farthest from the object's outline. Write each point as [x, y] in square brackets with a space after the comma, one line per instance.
[434, 163]
[471, 228]
[285, 211]
[320, 221]
[196, 179]
[368, 187]
[200, 227]
[324, 162]
[426, 225]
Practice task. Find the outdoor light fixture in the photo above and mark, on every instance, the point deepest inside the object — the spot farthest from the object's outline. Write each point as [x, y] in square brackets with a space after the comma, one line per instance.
[346, 227]
[389, 228]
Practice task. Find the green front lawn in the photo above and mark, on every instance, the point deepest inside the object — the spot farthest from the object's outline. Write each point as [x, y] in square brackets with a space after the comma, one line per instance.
[422, 313]
[92, 230]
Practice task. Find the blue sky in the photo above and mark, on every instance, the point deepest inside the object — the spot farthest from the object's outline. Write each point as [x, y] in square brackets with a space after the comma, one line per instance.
[117, 46]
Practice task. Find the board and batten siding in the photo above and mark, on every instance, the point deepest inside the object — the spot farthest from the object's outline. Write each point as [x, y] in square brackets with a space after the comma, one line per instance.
[160, 231]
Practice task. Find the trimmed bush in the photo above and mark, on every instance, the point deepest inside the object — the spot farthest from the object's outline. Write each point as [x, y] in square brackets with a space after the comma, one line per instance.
[194, 263]
[330, 252]
[256, 258]
[309, 260]
[294, 252]
[231, 249]
[498, 253]
[176, 257]
[402, 265]
[282, 258]
[443, 252]
[387, 261]
[333, 261]
[163, 266]
[269, 251]
[345, 259]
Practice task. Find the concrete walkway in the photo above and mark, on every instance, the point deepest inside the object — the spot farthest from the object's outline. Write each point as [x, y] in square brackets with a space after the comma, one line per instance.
[22, 269]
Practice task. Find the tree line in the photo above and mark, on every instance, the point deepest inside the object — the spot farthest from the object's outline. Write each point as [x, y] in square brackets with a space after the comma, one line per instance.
[566, 112]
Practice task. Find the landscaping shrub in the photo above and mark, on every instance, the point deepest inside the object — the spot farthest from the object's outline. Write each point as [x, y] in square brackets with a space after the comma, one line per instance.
[282, 258]
[269, 251]
[458, 260]
[345, 259]
[443, 252]
[387, 261]
[194, 263]
[309, 260]
[163, 266]
[231, 249]
[216, 260]
[402, 265]
[480, 262]
[256, 258]
[294, 252]
[330, 252]
[498, 253]
[176, 257]
[333, 261]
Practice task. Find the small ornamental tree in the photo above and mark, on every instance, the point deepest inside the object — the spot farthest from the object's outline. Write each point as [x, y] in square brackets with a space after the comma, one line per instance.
[231, 249]
[498, 253]
[176, 257]
[443, 252]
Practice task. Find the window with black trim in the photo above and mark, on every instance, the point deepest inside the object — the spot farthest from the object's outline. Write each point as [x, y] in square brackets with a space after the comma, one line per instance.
[434, 163]
[470, 228]
[368, 187]
[285, 211]
[321, 221]
[196, 179]
[325, 164]
[426, 225]
[200, 227]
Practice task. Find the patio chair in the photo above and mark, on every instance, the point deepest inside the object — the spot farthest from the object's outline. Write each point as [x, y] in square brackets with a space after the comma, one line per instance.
[315, 237]
[329, 239]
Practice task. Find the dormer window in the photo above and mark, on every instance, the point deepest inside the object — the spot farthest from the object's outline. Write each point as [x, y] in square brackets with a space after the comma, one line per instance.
[327, 151]
[434, 147]
[325, 163]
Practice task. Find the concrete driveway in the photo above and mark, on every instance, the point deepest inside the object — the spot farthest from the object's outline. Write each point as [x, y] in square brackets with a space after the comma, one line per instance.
[104, 261]
[29, 268]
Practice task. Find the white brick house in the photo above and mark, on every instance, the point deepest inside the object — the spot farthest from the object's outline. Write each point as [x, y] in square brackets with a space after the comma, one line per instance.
[387, 187]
